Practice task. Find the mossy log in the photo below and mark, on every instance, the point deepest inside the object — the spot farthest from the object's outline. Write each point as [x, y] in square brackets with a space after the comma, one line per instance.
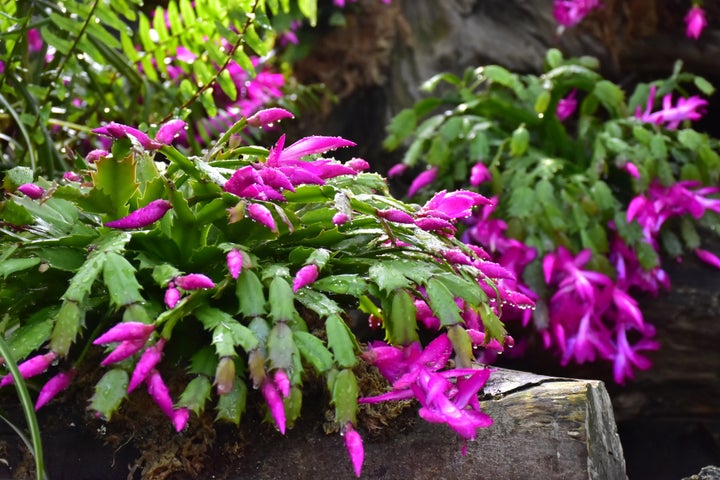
[544, 427]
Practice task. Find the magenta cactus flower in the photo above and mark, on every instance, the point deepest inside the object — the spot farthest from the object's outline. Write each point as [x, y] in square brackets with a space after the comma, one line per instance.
[395, 215]
[180, 418]
[282, 382]
[566, 106]
[274, 402]
[261, 214]
[71, 177]
[397, 170]
[159, 392]
[354, 446]
[479, 174]
[422, 180]
[453, 205]
[340, 218]
[695, 22]
[125, 331]
[172, 296]
[234, 263]
[305, 276]
[124, 350]
[52, 387]
[691, 108]
[31, 190]
[148, 361]
[142, 217]
[193, 281]
[571, 12]
[96, 155]
[311, 146]
[268, 116]
[165, 136]
[31, 367]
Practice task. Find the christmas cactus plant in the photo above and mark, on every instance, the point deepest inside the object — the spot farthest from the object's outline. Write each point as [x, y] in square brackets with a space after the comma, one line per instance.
[245, 263]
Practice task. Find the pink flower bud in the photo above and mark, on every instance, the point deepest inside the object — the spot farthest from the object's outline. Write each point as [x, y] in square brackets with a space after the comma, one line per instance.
[422, 180]
[354, 446]
[431, 223]
[305, 276]
[31, 367]
[260, 213]
[72, 177]
[125, 331]
[274, 403]
[234, 263]
[159, 393]
[479, 173]
[194, 281]
[632, 169]
[172, 297]
[148, 361]
[283, 382]
[52, 387]
[397, 170]
[397, 216]
[225, 375]
[142, 217]
[268, 116]
[339, 218]
[96, 155]
[124, 350]
[169, 131]
[31, 190]
[358, 164]
[180, 418]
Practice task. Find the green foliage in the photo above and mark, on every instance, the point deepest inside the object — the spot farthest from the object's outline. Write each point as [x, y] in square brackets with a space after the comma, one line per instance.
[557, 183]
[108, 276]
[101, 61]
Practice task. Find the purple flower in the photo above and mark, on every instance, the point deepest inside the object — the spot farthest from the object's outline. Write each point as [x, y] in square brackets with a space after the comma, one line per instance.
[570, 12]
[35, 41]
[142, 217]
[274, 403]
[708, 257]
[422, 180]
[354, 446]
[261, 214]
[282, 382]
[628, 357]
[180, 418]
[31, 367]
[52, 387]
[479, 174]
[397, 170]
[268, 116]
[31, 190]
[417, 373]
[310, 146]
[305, 276]
[340, 218]
[193, 281]
[695, 22]
[125, 331]
[566, 106]
[395, 215]
[234, 263]
[124, 350]
[172, 296]
[72, 177]
[96, 155]
[165, 136]
[169, 131]
[685, 109]
[148, 361]
[632, 169]
[358, 164]
[159, 393]
[453, 205]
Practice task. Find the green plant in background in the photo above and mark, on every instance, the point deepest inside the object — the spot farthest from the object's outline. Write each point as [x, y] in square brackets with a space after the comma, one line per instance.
[583, 178]
[65, 67]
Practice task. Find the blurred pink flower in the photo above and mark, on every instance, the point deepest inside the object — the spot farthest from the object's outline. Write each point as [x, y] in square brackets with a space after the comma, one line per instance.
[566, 106]
[695, 22]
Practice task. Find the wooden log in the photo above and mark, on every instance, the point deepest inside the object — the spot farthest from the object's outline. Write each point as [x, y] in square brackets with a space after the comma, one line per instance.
[544, 427]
